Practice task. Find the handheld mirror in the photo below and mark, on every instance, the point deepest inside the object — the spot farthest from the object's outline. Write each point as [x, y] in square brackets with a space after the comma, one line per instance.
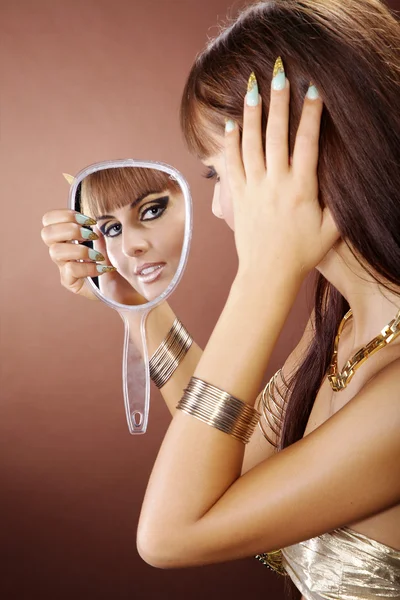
[143, 216]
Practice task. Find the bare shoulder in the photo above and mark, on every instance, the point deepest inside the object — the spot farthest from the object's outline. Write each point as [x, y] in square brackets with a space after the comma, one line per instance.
[383, 389]
[388, 376]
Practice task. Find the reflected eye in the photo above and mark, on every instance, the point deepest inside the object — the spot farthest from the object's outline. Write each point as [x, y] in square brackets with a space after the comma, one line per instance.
[112, 230]
[211, 173]
[155, 210]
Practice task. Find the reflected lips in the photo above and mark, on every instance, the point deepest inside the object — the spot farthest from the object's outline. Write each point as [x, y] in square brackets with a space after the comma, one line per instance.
[149, 272]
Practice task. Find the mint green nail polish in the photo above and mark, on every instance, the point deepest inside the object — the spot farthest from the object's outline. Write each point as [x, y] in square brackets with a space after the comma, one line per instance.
[229, 125]
[252, 91]
[94, 255]
[84, 220]
[88, 234]
[279, 82]
[312, 93]
[105, 269]
[279, 77]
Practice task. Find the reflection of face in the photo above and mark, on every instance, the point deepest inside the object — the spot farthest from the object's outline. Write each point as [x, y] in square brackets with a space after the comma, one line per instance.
[144, 240]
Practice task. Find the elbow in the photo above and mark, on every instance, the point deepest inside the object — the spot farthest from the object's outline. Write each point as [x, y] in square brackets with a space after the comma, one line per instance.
[152, 559]
[148, 547]
[154, 550]
[164, 551]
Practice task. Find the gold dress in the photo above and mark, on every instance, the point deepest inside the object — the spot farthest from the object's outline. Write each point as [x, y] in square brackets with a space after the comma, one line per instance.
[343, 565]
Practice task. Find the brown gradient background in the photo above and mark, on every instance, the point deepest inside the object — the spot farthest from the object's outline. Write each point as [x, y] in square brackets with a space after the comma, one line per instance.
[84, 81]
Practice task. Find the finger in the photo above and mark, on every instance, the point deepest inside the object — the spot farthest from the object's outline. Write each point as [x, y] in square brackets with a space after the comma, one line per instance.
[72, 271]
[306, 148]
[100, 244]
[233, 159]
[252, 147]
[66, 215]
[61, 253]
[277, 136]
[66, 232]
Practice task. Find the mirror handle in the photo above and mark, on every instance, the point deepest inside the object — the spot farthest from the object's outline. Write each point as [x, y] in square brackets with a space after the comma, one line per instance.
[136, 378]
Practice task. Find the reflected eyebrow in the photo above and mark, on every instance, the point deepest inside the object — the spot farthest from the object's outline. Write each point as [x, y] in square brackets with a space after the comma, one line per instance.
[132, 205]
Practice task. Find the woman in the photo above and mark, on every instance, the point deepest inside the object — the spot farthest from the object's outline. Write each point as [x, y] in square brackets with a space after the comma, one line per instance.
[329, 498]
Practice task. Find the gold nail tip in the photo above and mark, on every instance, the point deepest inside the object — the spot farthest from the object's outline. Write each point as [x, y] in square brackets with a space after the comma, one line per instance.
[252, 82]
[90, 221]
[93, 236]
[278, 67]
[107, 269]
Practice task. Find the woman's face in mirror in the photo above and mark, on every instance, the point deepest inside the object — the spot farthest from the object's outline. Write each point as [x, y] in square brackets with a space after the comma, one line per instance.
[144, 240]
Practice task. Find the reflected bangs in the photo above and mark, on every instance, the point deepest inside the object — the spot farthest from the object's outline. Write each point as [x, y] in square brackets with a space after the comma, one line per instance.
[107, 190]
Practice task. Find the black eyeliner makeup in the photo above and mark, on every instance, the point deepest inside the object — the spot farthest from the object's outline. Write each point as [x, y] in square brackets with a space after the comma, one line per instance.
[160, 203]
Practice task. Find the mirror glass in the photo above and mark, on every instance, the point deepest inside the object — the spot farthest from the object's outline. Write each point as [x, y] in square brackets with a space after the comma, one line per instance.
[140, 215]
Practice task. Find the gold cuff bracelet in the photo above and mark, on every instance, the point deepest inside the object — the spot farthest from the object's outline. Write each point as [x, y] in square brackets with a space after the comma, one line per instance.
[170, 354]
[219, 409]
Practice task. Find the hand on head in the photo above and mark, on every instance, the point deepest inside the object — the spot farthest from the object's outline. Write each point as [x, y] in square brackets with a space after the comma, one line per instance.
[278, 220]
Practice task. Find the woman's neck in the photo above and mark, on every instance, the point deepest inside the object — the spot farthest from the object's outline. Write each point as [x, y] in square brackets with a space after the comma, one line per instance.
[373, 305]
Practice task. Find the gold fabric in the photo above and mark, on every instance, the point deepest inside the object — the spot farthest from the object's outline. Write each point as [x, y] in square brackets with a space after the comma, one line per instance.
[343, 565]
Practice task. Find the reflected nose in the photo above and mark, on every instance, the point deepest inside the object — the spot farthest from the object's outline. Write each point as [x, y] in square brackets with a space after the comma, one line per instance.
[134, 243]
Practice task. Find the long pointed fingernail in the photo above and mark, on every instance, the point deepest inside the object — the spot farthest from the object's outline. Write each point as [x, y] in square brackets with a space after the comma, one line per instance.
[105, 269]
[69, 178]
[229, 125]
[94, 255]
[279, 77]
[88, 234]
[312, 93]
[252, 91]
[84, 220]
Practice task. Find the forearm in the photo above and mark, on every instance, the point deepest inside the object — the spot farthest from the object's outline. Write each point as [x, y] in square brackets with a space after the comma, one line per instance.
[237, 354]
[234, 360]
[158, 324]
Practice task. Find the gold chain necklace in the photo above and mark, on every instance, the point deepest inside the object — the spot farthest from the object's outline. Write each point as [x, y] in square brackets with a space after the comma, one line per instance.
[341, 380]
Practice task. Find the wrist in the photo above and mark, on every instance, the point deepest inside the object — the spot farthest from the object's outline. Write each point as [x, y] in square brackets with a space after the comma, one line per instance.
[251, 284]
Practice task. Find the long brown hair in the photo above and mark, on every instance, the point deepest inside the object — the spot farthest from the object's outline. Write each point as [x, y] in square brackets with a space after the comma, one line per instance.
[350, 50]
